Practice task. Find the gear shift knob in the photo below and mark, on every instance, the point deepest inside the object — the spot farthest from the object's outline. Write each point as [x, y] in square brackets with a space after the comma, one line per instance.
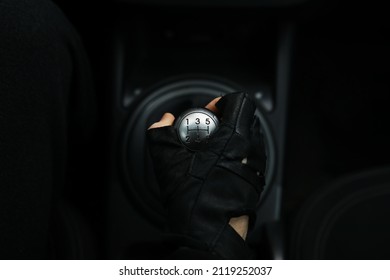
[195, 126]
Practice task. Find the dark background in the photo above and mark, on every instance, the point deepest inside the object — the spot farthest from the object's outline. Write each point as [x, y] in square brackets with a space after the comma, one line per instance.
[337, 117]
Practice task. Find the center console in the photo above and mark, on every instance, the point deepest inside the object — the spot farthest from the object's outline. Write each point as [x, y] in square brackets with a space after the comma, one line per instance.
[168, 58]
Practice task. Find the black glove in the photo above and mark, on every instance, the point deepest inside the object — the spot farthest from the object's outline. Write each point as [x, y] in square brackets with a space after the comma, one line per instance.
[203, 190]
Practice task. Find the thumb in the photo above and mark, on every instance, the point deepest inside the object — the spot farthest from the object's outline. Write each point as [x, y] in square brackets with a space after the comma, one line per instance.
[166, 120]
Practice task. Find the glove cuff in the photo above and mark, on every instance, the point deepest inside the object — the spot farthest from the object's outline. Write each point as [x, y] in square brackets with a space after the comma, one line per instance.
[231, 246]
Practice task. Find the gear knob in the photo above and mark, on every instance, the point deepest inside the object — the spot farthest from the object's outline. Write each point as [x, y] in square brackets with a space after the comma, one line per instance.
[195, 126]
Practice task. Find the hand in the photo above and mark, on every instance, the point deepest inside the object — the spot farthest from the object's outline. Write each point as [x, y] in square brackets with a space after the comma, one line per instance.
[209, 192]
[239, 224]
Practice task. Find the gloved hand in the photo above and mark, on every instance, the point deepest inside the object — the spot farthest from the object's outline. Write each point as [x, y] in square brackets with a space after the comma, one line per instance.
[203, 190]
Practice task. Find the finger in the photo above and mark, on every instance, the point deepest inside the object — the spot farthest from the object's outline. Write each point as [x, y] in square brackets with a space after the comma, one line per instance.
[237, 110]
[257, 158]
[211, 106]
[166, 120]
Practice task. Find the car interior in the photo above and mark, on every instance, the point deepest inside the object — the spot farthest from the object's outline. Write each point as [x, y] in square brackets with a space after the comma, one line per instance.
[318, 72]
